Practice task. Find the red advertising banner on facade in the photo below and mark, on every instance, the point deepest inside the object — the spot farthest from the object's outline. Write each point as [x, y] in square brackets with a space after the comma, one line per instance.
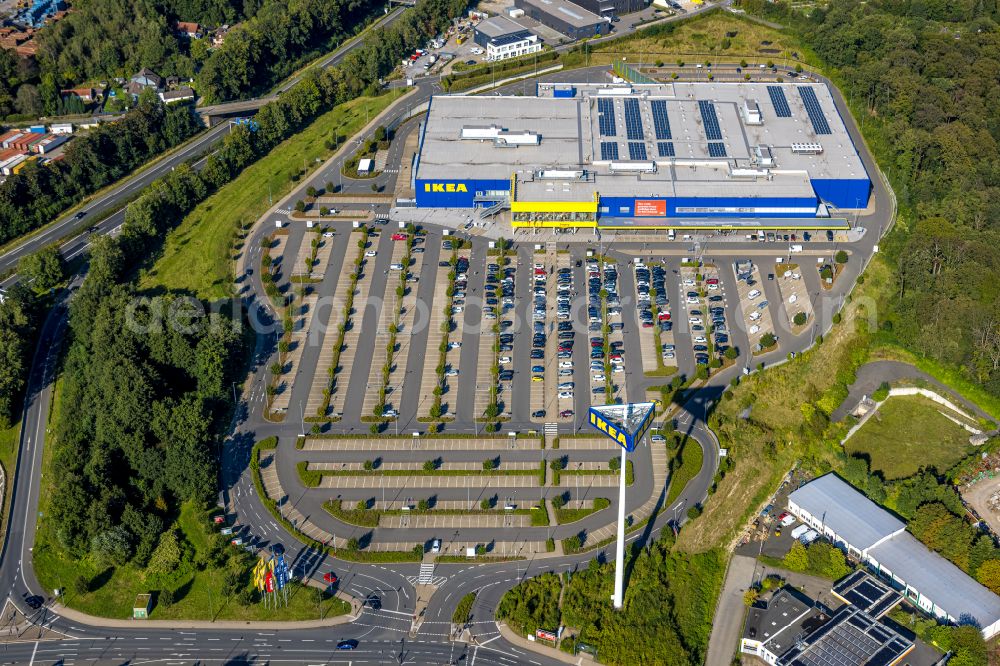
[650, 208]
[545, 635]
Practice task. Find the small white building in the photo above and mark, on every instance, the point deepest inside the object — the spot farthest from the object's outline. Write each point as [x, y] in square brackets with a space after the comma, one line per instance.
[61, 128]
[365, 166]
[503, 38]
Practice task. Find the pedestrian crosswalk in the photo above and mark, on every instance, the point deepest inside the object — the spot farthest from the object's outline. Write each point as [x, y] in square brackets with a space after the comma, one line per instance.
[426, 573]
[283, 211]
[551, 431]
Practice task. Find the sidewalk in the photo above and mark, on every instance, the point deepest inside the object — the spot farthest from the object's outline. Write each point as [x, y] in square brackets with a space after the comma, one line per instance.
[554, 653]
[95, 621]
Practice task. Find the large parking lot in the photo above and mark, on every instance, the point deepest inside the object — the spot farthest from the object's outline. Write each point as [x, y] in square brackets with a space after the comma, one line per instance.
[465, 335]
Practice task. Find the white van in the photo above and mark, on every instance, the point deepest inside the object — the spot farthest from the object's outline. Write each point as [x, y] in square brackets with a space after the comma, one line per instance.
[799, 531]
[809, 537]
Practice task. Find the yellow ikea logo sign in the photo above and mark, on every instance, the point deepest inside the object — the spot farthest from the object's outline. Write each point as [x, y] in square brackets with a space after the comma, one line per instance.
[445, 187]
[608, 429]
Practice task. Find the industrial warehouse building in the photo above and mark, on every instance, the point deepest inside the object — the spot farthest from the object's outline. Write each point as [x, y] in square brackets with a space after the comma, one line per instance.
[739, 155]
[565, 17]
[872, 535]
[611, 7]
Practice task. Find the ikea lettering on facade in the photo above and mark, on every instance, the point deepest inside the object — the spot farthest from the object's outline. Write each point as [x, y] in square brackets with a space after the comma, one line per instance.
[445, 187]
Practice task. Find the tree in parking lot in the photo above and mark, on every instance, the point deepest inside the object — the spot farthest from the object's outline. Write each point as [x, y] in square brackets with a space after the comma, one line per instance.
[300, 206]
[352, 544]
[423, 505]
[768, 340]
[799, 318]
[731, 353]
[559, 501]
[840, 257]
[429, 465]
[797, 559]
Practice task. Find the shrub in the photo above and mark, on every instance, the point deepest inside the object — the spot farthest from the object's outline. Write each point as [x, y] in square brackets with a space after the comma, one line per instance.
[840, 257]
[799, 318]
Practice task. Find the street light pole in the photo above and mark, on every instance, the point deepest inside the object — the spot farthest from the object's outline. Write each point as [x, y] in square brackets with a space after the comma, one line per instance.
[617, 599]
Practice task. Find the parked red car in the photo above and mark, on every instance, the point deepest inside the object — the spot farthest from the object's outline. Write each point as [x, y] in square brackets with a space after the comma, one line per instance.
[399, 237]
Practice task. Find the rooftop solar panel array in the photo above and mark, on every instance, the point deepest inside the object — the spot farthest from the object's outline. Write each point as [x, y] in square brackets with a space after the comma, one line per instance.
[779, 101]
[606, 117]
[636, 151]
[665, 149]
[712, 129]
[716, 149]
[633, 120]
[811, 103]
[609, 150]
[661, 123]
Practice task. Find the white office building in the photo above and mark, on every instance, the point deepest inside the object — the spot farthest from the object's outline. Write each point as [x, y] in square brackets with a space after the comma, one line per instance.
[503, 39]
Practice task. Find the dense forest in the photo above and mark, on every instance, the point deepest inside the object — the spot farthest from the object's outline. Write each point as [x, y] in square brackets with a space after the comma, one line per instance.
[40, 192]
[103, 39]
[924, 78]
[668, 606]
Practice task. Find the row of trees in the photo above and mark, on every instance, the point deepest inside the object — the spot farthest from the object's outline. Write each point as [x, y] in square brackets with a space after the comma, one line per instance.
[40, 192]
[935, 514]
[921, 76]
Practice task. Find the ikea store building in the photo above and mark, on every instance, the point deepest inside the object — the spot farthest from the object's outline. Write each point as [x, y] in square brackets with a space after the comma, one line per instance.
[685, 155]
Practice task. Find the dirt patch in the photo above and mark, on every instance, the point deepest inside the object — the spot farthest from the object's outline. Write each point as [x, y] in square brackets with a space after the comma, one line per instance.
[978, 497]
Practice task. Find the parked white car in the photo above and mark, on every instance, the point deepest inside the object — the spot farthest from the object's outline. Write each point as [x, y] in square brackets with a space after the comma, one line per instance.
[753, 294]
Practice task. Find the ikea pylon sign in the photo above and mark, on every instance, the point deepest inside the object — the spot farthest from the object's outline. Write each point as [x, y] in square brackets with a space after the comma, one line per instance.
[598, 419]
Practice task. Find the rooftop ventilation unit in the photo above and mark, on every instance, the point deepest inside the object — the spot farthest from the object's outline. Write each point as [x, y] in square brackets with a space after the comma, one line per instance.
[762, 156]
[524, 138]
[551, 174]
[614, 91]
[645, 167]
[750, 110]
[810, 148]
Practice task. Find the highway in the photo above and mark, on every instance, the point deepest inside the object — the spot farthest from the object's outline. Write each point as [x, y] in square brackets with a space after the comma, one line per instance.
[386, 635]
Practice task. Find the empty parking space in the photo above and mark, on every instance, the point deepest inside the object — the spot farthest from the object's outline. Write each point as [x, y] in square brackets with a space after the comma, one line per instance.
[361, 297]
[406, 327]
[432, 481]
[794, 294]
[756, 313]
[439, 324]
[302, 313]
[387, 317]
[455, 521]
[430, 445]
[316, 402]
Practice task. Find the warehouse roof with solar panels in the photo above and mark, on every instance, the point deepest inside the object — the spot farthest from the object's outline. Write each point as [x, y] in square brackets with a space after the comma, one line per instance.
[667, 139]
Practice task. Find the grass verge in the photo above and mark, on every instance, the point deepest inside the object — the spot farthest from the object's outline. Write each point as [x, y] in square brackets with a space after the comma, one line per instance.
[197, 256]
[908, 433]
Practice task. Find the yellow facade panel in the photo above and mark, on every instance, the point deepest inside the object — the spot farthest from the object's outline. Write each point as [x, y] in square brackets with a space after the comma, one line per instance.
[553, 206]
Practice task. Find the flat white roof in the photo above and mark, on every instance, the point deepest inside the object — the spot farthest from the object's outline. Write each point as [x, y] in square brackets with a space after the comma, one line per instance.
[576, 134]
[840, 507]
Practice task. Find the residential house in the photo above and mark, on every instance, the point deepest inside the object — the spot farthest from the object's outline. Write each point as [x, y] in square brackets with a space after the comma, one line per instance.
[85, 94]
[179, 95]
[188, 29]
[145, 78]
